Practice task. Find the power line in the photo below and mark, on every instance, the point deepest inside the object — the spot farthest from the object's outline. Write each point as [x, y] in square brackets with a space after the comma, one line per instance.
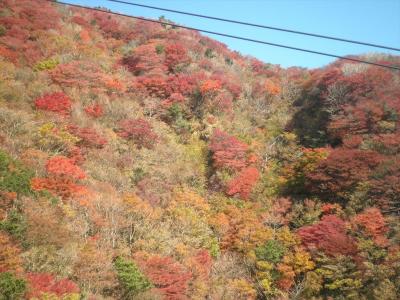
[230, 36]
[258, 25]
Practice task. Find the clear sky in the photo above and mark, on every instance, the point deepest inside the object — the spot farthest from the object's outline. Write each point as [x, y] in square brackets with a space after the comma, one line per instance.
[374, 21]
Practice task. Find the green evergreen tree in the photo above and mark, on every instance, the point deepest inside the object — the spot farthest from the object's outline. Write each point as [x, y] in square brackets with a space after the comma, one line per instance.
[130, 278]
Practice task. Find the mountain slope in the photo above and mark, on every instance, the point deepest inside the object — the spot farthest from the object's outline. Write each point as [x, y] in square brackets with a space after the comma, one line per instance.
[141, 161]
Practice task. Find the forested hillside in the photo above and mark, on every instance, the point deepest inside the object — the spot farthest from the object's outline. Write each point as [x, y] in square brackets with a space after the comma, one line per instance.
[146, 161]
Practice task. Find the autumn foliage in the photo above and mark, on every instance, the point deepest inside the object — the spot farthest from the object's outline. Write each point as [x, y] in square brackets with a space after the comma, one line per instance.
[42, 283]
[168, 276]
[175, 56]
[55, 102]
[372, 222]
[227, 151]
[138, 130]
[64, 167]
[328, 235]
[63, 174]
[340, 172]
[243, 184]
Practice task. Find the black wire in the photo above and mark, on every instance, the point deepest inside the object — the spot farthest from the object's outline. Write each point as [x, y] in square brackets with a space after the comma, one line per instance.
[230, 36]
[258, 25]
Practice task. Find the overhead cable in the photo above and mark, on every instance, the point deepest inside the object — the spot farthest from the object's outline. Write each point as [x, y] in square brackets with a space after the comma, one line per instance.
[230, 35]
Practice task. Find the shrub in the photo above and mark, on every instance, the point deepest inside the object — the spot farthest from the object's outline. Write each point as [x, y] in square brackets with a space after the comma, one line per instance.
[48, 64]
[2, 30]
[63, 174]
[55, 139]
[372, 222]
[15, 224]
[55, 102]
[13, 177]
[94, 110]
[65, 167]
[9, 255]
[11, 287]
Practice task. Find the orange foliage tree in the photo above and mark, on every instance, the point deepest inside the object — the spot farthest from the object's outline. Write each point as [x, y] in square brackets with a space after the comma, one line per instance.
[63, 175]
[372, 222]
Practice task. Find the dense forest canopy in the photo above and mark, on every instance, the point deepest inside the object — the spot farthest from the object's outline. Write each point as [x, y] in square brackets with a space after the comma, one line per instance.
[146, 161]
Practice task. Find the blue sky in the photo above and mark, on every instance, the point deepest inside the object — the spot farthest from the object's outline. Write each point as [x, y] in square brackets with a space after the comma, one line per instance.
[374, 21]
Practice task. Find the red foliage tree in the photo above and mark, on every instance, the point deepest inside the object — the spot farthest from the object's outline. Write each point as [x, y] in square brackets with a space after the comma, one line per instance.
[184, 83]
[108, 24]
[41, 283]
[228, 151]
[55, 102]
[372, 222]
[244, 183]
[145, 59]
[168, 276]
[175, 56]
[144, 31]
[138, 130]
[154, 85]
[385, 187]
[78, 74]
[328, 235]
[342, 171]
[361, 118]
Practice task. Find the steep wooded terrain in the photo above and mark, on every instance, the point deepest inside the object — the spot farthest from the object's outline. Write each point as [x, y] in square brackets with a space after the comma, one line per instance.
[140, 161]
